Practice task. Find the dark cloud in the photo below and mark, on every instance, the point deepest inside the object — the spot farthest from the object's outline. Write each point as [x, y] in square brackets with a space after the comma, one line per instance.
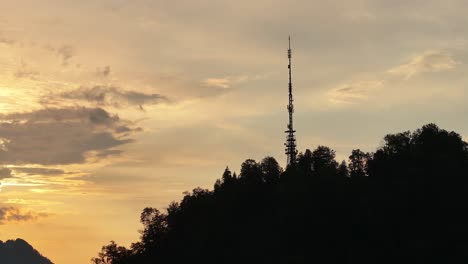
[5, 173]
[122, 129]
[106, 96]
[109, 152]
[7, 41]
[38, 171]
[103, 72]
[66, 52]
[346, 89]
[60, 135]
[13, 214]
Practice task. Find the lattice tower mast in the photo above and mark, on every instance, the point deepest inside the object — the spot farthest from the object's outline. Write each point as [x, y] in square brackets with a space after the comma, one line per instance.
[290, 144]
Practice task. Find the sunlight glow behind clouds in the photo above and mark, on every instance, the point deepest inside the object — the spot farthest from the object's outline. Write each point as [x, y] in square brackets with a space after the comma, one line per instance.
[360, 69]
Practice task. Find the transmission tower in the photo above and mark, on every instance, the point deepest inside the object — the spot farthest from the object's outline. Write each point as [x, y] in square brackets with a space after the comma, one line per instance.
[290, 144]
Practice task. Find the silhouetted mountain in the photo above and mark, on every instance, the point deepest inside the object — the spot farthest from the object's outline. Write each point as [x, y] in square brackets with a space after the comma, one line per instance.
[405, 202]
[20, 252]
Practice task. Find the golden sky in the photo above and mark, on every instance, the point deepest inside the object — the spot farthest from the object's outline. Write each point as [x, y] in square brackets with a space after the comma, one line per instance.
[110, 106]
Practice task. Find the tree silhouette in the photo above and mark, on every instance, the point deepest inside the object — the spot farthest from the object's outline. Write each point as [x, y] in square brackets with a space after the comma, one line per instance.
[405, 202]
[358, 163]
[343, 170]
[323, 160]
[271, 169]
[305, 161]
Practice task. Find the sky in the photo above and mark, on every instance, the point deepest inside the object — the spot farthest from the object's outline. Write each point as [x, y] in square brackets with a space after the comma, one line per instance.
[110, 106]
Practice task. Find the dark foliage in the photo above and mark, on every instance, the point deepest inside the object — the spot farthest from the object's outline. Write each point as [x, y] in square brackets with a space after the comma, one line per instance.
[405, 202]
[20, 252]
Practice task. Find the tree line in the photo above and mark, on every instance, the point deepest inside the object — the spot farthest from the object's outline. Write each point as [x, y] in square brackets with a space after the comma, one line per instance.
[407, 201]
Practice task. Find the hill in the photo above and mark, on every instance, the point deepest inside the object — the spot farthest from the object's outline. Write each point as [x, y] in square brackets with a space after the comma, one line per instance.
[20, 252]
[407, 201]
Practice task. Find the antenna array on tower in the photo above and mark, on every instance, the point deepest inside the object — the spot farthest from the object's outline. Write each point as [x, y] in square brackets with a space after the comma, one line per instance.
[290, 144]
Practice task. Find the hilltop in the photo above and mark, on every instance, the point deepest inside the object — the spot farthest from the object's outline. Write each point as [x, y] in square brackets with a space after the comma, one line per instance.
[404, 202]
[20, 252]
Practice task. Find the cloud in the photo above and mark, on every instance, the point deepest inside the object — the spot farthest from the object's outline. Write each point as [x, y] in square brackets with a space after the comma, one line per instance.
[354, 92]
[109, 152]
[106, 96]
[218, 86]
[358, 91]
[60, 135]
[217, 82]
[429, 61]
[25, 72]
[7, 41]
[14, 214]
[103, 72]
[38, 171]
[225, 82]
[5, 173]
[4, 39]
[66, 52]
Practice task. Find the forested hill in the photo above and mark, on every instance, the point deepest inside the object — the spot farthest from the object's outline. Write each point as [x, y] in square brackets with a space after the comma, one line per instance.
[407, 201]
[20, 252]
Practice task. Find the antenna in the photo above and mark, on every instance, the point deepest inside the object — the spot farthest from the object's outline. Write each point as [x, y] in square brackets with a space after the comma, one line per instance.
[290, 144]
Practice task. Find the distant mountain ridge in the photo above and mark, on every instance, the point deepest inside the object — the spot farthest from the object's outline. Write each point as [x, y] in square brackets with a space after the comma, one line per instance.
[20, 252]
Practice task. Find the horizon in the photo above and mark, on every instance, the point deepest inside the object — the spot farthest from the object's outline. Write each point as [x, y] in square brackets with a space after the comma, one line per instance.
[135, 102]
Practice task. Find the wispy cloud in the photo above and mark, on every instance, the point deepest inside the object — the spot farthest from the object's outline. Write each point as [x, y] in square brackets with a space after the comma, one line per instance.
[105, 96]
[7, 41]
[38, 171]
[227, 82]
[217, 86]
[218, 82]
[66, 52]
[429, 61]
[360, 90]
[25, 72]
[104, 71]
[354, 92]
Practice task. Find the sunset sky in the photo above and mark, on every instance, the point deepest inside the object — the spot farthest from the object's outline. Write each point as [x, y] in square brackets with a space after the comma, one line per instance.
[110, 106]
